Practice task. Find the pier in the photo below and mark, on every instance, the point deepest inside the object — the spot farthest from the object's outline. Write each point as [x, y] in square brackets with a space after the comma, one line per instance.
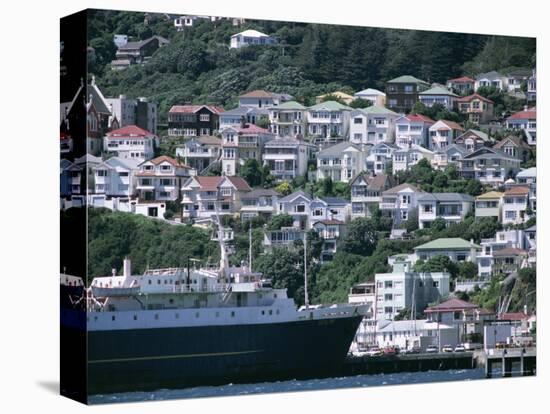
[387, 364]
[511, 362]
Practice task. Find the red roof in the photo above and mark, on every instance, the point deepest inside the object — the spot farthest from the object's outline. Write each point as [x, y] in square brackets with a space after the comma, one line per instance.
[509, 251]
[531, 113]
[166, 158]
[420, 118]
[190, 109]
[513, 316]
[462, 79]
[258, 93]
[451, 305]
[251, 129]
[472, 97]
[452, 125]
[129, 131]
[519, 190]
[208, 183]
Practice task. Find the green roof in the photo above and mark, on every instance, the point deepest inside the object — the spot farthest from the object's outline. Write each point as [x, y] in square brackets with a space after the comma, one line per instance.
[330, 105]
[290, 105]
[438, 90]
[378, 110]
[407, 79]
[454, 243]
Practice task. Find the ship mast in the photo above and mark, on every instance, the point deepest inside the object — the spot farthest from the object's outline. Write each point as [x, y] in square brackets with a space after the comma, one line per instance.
[250, 246]
[223, 251]
[306, 298]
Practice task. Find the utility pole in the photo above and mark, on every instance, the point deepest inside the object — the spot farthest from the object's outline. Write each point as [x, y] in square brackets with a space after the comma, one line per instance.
[306, 299]
[250, 246]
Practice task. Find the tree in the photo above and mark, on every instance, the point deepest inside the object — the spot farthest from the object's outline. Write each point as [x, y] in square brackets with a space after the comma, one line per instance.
[411, 224]
[360, 103]
[284, 188]
[361, 237]
[438, 225]
[467, 270]
[280, 220]
[439, 263]
[251, 171]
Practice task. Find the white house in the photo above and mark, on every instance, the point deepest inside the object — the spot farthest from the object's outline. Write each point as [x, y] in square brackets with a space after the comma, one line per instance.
[473, 139]
[372, 125]
[491, 79]
[399, 201]
[159, 179]
[438, 95]
[418, 334]
[366, 193]
[116, 177]
[287, 158]
[328, 121]
[451, 207]
[412, 129]
[242, 143]
[443, 133]
[262, 202]
[405, 158]
[297, 205]
[455, 248]
[526, 121]
[451, 154]
[505, 239]
[489, 205]
[247, 114]
[515, 205]
[288, 120]
[528, 177]
[206, 197]
[250, 37]
[131, 142]
[200, 152]
[374, 96]
[489, 166]
[329, 230]
[405, 289]
[379, 157]
[340, 162]
[263, 99]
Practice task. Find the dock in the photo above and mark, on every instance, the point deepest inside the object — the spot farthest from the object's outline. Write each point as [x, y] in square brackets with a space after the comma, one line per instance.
[511, 362]
[387, 364]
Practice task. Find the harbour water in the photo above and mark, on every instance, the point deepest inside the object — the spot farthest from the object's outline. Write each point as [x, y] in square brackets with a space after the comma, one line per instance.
[358, 381]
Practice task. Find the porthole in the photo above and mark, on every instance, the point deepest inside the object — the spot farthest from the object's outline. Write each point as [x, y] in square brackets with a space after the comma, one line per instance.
[263, 312]
[232, 314]
[156, 316]
[270, 312]
[135, 317]
[113, 317]
[149, 281]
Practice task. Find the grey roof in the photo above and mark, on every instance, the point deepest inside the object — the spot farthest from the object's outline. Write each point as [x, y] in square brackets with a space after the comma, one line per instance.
[240, 110]
[397, 188]
[97, 99]
[532, 228]
[489, 75]
[295, 194]
[407, 79]
[491, 153]
[287, 142]
[528, 172]
[455, 147]
[88, 159]
[259, 193]
[137, 45]
[479, 134]
[337, 149]
[449, 197]
[113, 162]
[334, 200]
[386, 144]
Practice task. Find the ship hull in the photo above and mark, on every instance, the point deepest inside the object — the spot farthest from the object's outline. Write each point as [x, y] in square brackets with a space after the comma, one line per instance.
[149, 359]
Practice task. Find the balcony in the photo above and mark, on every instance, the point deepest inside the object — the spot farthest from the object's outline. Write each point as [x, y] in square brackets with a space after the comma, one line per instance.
[387, 206]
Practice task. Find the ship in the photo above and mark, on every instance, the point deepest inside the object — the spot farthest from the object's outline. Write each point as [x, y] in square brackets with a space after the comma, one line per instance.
[194, 326]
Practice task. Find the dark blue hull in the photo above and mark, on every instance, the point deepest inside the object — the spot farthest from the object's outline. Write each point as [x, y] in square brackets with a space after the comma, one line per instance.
[148, 359]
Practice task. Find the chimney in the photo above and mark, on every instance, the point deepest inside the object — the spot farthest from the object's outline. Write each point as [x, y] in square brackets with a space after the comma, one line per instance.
[127, 268]
[243, 122]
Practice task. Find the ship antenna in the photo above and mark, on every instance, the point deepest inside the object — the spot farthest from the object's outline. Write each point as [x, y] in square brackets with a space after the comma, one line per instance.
[223, 251]
[306, 299]
[250, 246]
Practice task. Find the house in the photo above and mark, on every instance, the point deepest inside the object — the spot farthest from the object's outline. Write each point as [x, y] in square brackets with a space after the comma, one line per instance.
[403, 92]
[374, 96]
[131, 142]
[328, 208]
[531, 244]
[207, 197]
[413, 129]
[328, 121]
[340, 162]
[193, 120]
[134, 52]
[287, 158]
[263, 99]
[379, 158]
[120, 40]
[329, 230]
[479, 109]
[285, 237]
[250, 37]
[248, 114]
[491, 79]
[400, 202]
[116, 177]
[532, 87]
[160, 179]
[467, 317]
[443, 133]
[297, 205]
[462, 85]
[473, 140]
[372, 125]
[418, 333]
[366, 193]
[438, 95]
[503, 240]
[509, 260]
[451, 207]
[200, 152]
[70, 179]
[489, 166]
[525, 121]
[404, 289]
[455, 248]
[139, 112]
[259, 203]
[516, 205]
[489, 204]
[364, 293]
[452, 154]
[288, 120]
[181, 22]
[515, 147]
[240, 144]
[405, 158]
[516, 78]
[528, 177]
[341, 96]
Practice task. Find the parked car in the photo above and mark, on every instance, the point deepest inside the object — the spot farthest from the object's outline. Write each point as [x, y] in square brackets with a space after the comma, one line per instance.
[460, 348]
[391, 350]
[447, 348]
[413, 350]
[374, 351]
[432, 349]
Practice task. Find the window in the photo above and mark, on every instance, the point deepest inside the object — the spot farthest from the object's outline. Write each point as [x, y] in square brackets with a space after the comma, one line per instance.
[461, 257]
[436, 284]
[358, 120]
[388, 296]
[388, 284]
[205, 117]
[388, 309]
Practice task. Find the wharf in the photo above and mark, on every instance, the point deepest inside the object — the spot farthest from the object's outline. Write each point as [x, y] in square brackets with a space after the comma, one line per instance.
[511, 362]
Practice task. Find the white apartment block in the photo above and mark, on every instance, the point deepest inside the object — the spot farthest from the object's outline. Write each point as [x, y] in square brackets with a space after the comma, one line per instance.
[372, 125]
[160, 179]
[412, 129]
[116, 177]
[340, 162]
[451, 207]
[131, 142]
